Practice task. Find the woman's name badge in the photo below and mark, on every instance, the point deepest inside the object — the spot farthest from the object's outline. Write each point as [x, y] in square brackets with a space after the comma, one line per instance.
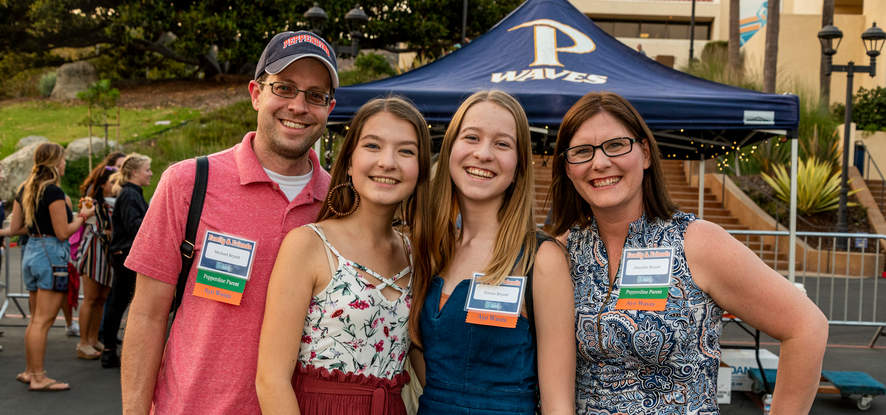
[495, 305]
[645, 279]
[224, 267]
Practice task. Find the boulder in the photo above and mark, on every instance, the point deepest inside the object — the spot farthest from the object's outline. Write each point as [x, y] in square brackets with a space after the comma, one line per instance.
[79, 148]
[15, 169]
[72, 78]
[31, 139]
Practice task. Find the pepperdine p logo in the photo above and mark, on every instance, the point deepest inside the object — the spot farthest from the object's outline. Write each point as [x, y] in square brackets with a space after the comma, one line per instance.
[546, 54]
[546, 41]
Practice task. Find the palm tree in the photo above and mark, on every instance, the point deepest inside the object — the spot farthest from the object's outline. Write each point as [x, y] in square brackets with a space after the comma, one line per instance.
[827, 18]
[734, 55]
[770, 58]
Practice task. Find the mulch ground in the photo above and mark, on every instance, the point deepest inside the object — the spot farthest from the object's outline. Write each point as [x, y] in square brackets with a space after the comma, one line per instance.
[200, 94]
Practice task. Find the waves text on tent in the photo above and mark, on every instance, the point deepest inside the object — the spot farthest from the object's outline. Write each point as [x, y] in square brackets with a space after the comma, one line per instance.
[547, 54]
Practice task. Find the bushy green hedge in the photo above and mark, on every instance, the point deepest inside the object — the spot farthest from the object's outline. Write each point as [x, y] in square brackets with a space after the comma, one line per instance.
[869, 109]
[46, 83]
[367, 67]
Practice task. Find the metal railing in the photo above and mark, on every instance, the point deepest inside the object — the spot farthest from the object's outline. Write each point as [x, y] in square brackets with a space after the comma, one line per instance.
[4, 283]
[843, 282]
[8, 296]
[867, 173]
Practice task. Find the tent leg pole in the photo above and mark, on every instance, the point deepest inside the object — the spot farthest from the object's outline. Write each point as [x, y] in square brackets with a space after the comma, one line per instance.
[792, 247]
[701, 189]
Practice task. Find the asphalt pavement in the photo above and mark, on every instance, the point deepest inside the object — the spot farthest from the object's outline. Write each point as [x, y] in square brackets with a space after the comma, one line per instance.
[95, 390]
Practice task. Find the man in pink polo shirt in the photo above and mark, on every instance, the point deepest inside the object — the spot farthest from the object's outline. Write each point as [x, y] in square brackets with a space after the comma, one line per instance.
[257, 191]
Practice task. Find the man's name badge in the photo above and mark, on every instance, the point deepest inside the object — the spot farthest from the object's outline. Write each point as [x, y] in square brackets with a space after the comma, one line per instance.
[645, 279]
[495, 305]
[224, 267]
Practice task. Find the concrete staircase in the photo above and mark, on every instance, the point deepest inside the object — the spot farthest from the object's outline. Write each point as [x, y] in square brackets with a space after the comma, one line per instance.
[542, 166]
[686, 198]
[878, 191]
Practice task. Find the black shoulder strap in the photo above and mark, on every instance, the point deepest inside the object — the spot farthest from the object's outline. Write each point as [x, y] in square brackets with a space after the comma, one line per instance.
[187, 246]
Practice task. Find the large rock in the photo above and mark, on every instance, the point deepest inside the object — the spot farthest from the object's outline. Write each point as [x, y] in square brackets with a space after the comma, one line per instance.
[79, 148]
[31, 139]
[15, 169]
[72, 78]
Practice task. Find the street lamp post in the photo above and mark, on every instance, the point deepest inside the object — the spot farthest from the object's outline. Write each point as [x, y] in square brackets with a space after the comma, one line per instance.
[356, 19]
[873, 39]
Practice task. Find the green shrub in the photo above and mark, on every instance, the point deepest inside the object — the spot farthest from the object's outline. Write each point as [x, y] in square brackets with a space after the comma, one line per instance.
[818, 187]
[100, 98]
[46, 84]
[23, 84]
[367, 67]
[869, 109]
[20, 72]
[373, 62]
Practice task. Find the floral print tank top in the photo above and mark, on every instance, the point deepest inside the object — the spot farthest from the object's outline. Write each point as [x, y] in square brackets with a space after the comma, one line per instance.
[351, 327]
[643, 362]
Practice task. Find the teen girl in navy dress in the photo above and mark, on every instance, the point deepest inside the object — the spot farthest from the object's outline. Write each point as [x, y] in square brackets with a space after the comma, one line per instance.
[484, 176]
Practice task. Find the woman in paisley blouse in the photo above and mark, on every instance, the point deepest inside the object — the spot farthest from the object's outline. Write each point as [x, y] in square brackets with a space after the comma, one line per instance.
[609, 198]
[334, 337]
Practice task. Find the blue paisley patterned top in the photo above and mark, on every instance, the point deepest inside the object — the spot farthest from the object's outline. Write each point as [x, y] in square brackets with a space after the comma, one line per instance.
[643, 362]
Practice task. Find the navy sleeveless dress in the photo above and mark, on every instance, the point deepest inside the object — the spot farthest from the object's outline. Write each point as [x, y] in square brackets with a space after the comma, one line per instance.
[473, 369]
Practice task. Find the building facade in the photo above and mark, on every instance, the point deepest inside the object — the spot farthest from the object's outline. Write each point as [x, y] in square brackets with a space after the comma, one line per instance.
[662, 29]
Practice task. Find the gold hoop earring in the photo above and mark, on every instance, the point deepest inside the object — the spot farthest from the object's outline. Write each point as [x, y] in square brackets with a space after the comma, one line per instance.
[356, 197]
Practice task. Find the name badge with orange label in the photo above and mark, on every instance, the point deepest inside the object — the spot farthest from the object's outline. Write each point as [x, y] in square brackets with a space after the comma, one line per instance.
[224, 267]
[645, 279]
[495, 305]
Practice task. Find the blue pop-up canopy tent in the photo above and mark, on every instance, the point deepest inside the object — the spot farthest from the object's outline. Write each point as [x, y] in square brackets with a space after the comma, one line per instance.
[548, 54]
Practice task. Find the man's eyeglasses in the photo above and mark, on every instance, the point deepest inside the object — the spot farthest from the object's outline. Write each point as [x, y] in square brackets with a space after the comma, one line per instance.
[613, 147]
[287, 90]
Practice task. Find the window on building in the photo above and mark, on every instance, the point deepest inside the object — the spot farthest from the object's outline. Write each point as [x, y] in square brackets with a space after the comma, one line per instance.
[625, 29]
[653, 29]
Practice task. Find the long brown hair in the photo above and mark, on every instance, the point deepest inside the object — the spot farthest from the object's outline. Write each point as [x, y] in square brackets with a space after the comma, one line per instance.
[92, 185]
[568, 208]
[516, 232]
[415, 210]
[45, 172]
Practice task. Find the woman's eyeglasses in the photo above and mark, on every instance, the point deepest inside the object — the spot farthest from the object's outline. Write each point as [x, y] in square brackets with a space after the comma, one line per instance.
[585, 152]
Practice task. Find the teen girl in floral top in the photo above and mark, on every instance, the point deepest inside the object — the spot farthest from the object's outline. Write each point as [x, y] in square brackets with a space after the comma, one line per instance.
[344, 283]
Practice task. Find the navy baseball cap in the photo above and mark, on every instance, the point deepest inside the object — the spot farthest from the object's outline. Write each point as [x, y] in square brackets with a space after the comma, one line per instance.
[287, 47]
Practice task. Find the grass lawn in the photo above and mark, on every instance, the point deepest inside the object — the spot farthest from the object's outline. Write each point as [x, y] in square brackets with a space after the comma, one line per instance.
[205, 134]
[60, 122]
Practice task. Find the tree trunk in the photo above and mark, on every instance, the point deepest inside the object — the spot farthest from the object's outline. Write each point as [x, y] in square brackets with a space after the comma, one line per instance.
[734, 38]
[770, 60]
[824, 90]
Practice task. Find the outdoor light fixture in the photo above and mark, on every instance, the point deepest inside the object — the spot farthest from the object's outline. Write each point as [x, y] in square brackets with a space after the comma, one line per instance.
[826, 36]
[356, 19]
[873, 40]
[317, 16]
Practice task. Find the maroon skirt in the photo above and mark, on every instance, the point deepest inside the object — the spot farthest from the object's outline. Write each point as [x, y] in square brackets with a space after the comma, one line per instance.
[321, 392]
